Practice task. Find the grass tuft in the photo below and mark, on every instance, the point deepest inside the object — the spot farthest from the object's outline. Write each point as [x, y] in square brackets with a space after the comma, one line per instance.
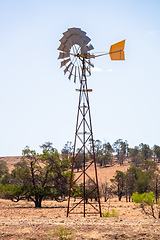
[64, 233]
[114, 213]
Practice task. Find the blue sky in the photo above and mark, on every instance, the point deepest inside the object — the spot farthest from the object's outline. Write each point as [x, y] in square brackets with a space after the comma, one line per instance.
[37, 101]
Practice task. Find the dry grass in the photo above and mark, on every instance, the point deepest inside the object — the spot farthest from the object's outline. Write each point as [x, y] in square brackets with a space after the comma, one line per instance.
[22, 221]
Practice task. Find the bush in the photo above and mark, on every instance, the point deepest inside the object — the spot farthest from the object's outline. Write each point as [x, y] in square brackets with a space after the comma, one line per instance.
[108, 214]
[146, 202]
[64, 233]
[144, 198]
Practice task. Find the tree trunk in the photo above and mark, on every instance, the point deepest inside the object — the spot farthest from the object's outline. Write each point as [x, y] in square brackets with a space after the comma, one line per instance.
[38, 201]
[120, 196]
[126, 197]
[129, 198]
[157, 195]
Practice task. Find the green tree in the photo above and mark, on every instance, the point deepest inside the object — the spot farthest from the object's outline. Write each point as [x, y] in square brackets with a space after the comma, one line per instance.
[155, 184]
[67, 151]
[131, 180]
[156, 153]
[38, 176]
[106, 154]
[120, 148]
[119, 181]
[145, 151]
[98, 151]
[143, 182]
[135, 156]
[149, 165]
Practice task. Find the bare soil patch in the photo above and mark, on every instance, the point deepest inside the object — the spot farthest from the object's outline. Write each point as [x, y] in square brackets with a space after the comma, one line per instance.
[22, 221]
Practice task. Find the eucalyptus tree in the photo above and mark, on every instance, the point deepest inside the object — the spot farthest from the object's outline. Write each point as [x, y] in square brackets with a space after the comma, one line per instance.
[67, 150]
[120, 148]
[118, 184]
[135, 156]
[156, 153]
[145, 151]
[38, 176]
[106, 154]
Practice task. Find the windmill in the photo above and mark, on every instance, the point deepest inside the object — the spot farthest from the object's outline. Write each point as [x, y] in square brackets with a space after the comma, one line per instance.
[75, 54]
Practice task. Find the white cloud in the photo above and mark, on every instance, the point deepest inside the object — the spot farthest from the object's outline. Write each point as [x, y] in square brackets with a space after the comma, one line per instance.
[153, 32]
[109, 70]
[96, 69]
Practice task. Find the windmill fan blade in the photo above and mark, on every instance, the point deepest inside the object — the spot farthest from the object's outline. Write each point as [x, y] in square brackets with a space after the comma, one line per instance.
[83, 34]
[116, 51]
[74, 30]
[80, 42]
[67, 33]
[71, 31]
[69, 39]
[63, 39]
[84, 49]
[77, 38]
[90, 47]
[64, 62]
[63, 55]
[66, 69]
[64, 47]
[61, 47]
[87, 39]
[73, 38]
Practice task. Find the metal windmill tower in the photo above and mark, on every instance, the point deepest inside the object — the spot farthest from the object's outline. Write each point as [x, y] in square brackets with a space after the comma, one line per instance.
[76, 57]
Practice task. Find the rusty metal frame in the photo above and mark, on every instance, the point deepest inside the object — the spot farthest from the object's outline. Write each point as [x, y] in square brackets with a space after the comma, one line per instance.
[86, 125]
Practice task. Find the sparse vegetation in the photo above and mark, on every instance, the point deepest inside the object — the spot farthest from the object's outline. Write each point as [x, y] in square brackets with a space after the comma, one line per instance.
[146, 202]
[63, 233]
[113, 213]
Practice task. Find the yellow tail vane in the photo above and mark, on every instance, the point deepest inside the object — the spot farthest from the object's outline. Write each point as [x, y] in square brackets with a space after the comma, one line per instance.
[116, 51]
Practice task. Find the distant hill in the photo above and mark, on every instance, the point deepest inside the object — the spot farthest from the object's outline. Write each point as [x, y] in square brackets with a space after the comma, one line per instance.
[11, 161]
[104, 173]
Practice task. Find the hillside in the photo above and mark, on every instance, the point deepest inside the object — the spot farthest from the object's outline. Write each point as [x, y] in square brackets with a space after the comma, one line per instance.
[104, 173]
[11, 161]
